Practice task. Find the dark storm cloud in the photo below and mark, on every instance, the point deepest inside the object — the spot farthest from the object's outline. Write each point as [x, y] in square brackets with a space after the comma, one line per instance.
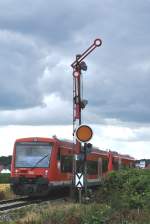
[20, 68]
[121, 84]
[39, 40]
[53, 21]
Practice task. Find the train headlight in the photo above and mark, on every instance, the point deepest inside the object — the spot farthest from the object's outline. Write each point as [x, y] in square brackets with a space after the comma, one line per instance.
[58, 165]
[46, 172]
[16, 171]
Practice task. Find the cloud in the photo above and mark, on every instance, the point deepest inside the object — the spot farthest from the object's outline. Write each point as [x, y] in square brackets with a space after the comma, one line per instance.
[22, 131]
[38, 42]
[53, 111]
[20, 69]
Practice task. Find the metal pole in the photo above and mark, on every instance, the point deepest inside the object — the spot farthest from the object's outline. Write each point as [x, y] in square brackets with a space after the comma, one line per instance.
[85, 170]
[80, 195]
[76, 122]
[78, 143]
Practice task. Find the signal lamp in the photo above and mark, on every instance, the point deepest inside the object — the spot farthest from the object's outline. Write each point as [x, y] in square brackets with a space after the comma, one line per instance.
[87, 147]
[76, 74]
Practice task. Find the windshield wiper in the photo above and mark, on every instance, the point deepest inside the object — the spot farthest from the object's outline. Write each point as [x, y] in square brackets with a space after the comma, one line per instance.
[39, 161]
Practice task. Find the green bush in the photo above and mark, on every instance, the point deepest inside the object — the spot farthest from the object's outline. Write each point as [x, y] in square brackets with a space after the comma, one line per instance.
[4, 178]
[5, 161]
[126, 189]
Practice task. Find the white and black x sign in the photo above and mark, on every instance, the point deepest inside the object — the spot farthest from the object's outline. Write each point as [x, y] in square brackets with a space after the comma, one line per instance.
[79, 180]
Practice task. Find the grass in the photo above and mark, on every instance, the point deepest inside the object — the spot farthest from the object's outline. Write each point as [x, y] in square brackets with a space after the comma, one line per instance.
[3, 187]
[70, 213]
[5, 192]
[62, 212]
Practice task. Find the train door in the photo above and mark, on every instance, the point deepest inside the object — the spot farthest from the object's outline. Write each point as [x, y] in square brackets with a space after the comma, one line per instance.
[115, 163]
[104, 166]
[66, 165]
[100, 168]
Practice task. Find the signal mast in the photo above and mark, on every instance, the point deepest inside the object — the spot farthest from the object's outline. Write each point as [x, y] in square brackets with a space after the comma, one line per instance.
[78, 103]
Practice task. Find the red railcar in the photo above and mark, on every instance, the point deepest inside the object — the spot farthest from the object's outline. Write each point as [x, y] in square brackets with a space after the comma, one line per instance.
[42, 164]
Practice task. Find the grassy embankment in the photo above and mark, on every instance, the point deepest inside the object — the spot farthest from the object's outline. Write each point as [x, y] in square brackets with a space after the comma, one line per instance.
[123, 198]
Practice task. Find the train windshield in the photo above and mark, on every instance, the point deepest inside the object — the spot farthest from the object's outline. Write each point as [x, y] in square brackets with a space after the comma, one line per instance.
[33, 154]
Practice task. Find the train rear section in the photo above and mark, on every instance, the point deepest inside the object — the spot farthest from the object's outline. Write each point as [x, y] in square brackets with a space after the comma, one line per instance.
[42, 164]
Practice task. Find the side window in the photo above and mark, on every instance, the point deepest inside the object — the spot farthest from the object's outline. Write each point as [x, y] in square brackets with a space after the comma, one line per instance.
[104, 165]
[92, 167]
[66, 164]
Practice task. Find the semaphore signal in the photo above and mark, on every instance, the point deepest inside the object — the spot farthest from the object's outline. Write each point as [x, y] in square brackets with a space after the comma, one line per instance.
[81, 133]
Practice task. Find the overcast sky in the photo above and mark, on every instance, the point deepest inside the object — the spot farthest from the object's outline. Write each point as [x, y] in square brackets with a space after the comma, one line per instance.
[38, 42]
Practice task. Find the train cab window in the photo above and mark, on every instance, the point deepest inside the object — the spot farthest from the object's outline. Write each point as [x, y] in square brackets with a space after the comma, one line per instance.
[104, 165]
[66, 164]
[33, 154]
[92, 167]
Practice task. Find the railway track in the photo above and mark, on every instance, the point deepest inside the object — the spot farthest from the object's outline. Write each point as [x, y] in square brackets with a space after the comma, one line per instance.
[12, 204]
[17, 203]
[12, 200]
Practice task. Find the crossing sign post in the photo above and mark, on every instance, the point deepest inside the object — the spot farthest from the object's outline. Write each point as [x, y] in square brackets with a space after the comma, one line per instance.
[79, 180]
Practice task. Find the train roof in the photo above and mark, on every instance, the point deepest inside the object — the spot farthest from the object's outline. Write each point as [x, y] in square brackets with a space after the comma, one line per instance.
[69, 143]
[101, 152]
[115, 154]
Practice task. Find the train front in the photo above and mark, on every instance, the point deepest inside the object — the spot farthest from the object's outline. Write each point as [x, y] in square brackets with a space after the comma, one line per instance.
[30, 166]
